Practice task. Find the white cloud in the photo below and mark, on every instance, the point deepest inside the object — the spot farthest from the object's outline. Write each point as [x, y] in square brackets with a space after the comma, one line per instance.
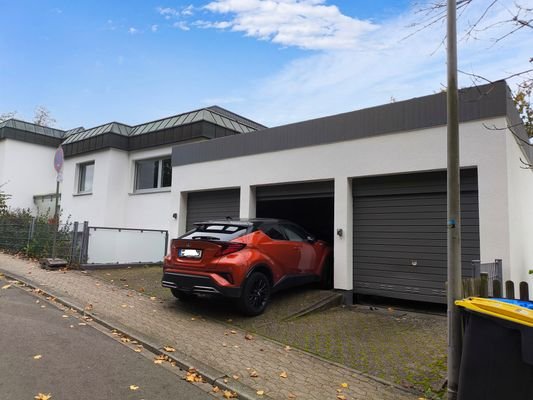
[154, 28]
[369, 73]
[133, 31]
[170, 13]
[308, 24]
[181, 25]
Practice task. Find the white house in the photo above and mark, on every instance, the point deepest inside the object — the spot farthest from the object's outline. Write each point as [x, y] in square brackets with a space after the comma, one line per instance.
[27, 164]
[373, 182]
[117, 175]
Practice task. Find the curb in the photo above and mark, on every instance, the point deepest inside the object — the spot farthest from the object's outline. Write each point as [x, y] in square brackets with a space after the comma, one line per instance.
[182, 360]
[332, 300]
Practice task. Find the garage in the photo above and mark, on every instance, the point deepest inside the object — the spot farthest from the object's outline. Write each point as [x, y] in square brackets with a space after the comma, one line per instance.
[308, 204]
[212, 204]
[400, 247]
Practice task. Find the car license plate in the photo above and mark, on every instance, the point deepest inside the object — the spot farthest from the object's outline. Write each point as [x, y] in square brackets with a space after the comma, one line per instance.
[190, 253]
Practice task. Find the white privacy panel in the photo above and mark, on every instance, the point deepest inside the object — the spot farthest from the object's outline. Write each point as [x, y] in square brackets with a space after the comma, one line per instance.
[125, 246]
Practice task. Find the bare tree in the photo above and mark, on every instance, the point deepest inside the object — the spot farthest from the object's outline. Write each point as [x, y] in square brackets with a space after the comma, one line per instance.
[43, 117]
[7, 115]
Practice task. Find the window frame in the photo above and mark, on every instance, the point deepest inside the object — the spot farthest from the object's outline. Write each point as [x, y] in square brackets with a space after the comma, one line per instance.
[82, 174]
[160, 187]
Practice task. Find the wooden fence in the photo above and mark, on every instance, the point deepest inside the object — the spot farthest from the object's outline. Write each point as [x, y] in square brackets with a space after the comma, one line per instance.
[479, 287]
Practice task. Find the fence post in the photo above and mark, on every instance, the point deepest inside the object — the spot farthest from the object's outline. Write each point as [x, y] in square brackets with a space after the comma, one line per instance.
[509, 290]
[497, 288]
[74, 239]
[31, 228]
[84, 243]
[524, 291]
[499, 268]
[484, 285]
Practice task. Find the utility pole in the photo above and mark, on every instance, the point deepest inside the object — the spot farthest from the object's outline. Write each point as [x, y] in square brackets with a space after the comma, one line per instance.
[454, 209]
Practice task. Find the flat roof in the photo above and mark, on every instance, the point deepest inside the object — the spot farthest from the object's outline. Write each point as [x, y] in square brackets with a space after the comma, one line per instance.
[475, 103]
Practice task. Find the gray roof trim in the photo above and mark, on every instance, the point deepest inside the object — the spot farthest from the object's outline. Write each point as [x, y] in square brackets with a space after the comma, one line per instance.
[475, 103]
[31, 133]
[7, 132]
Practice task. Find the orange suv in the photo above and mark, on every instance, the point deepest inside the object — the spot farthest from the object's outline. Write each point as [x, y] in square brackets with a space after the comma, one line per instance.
[245, 259]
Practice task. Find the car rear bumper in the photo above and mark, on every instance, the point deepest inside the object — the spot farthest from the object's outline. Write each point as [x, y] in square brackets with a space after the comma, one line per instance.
[197, 284]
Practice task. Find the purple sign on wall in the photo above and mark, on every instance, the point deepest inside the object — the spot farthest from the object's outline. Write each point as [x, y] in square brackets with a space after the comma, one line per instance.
[59, 159]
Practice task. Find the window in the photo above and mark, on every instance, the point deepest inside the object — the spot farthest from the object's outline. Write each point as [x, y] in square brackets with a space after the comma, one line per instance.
[273, 232]
[153, 174]
[85, 177]
[294, 234]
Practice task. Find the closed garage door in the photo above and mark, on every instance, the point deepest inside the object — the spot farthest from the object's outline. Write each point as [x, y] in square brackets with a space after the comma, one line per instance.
[212, 204]
[400, 234]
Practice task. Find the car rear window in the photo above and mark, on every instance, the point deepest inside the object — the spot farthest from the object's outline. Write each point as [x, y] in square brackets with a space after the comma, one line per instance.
[218, 232]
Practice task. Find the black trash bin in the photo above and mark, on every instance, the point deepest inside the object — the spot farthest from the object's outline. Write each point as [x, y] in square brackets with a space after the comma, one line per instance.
[497, 357]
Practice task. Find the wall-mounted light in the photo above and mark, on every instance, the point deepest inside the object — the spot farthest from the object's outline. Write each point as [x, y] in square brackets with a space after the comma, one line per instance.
[175, 215]
[339, 232]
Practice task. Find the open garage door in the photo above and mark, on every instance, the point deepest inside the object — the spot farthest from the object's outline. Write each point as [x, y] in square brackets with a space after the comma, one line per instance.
[400, 234]
[308, 204]
[212, 204]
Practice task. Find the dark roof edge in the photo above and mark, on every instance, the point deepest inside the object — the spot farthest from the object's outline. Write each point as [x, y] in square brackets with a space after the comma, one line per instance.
[29, 137]
[479, 102]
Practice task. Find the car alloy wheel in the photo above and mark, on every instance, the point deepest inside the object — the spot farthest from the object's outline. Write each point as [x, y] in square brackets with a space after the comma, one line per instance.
[256, 294]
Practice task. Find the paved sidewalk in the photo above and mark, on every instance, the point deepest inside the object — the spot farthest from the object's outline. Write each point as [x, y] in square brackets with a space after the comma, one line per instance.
[221, 347]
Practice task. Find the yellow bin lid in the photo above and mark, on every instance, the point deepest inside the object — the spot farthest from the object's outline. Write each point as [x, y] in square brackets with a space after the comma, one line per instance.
[498, 309]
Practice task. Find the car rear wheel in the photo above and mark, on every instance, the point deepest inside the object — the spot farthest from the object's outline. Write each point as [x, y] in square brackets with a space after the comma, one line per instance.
[255, 294]
[181, 295]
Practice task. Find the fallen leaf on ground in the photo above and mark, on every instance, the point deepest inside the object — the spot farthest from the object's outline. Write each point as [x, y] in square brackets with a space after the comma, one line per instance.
[125, 340]
[138, 349]
[248, 337]
[142, 290]
[341, 397]
[344, 385]
[192, 376]
[224, 345]
[159, 359]
[82, 323]
[153, 298]
[124, 305]
[37, 357]
[253, 374]
[260, 392]
[216, 389]
[88, 307]
[6, 286]
[229, 395]
[169, 349]
[236, 377]
[42, 396]
[233, 332]
[291, 396]
[284, 374]
[64, 316]
[287, 348]
[134, 387]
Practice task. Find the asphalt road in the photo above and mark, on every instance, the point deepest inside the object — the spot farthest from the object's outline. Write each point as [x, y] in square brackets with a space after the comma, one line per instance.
[78, 362]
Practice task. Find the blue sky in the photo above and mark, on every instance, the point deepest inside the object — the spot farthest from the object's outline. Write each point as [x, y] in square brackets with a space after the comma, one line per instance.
[276, 61]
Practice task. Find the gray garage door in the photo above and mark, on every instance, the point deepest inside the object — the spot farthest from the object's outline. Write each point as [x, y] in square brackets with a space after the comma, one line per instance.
[400, 234]
[212, 204]
[306, 190]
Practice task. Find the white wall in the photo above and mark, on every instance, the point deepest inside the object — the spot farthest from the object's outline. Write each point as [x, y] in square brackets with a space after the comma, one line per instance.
[113, 202]
[27, 169]
[420, 150]
[520, 200]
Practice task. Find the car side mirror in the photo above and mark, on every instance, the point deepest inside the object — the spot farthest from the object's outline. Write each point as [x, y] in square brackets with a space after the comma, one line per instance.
[311, 239]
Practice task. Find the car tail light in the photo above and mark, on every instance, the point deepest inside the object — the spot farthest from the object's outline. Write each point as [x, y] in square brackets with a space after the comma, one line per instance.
[229, 247]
